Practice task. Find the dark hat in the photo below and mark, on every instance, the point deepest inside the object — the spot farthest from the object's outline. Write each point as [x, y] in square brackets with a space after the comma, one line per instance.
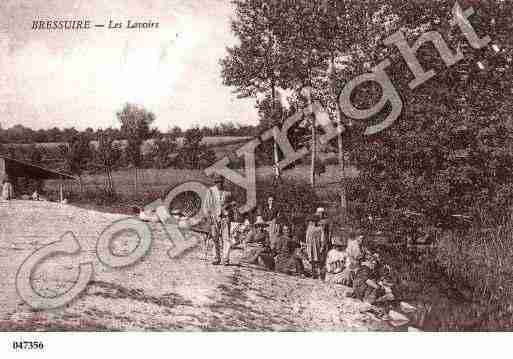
[218, 179]
[313, 218]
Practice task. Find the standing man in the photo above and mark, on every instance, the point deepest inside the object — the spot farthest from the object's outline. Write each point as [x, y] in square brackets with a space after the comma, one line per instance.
[216, 200]
[270, 213]
[314, 242]
[326, 240]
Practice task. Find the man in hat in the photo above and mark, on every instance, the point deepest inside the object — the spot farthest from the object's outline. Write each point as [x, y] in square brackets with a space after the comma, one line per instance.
[229, 218]
[325, 239]
[215, 202]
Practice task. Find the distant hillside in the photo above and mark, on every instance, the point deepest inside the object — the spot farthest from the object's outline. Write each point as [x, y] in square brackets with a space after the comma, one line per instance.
[208, 141]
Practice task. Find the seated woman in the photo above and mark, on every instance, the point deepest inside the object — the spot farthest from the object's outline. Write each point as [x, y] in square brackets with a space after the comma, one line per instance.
[286, 259]
[258, 249]
[336, 262]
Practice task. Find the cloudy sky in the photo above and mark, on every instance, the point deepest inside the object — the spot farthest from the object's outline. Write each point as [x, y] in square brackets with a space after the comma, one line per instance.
[81, 78]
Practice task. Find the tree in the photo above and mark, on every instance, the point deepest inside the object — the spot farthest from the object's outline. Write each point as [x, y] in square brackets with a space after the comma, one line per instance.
[294, 46]
[257, 64]
[76, 154]
[106, 156]
[135, 128]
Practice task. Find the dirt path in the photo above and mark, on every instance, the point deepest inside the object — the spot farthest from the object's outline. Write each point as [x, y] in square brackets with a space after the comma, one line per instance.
[158, 293]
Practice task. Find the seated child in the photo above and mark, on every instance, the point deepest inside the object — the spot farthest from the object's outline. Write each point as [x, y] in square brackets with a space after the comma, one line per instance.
[335, 263]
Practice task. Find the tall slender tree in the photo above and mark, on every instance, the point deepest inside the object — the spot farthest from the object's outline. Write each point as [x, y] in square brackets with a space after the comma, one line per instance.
[135, 128]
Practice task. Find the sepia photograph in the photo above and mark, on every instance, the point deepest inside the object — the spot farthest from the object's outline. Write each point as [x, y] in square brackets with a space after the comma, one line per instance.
[255, 166]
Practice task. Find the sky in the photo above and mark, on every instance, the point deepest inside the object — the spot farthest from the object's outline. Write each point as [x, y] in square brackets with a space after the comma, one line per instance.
[82, 78]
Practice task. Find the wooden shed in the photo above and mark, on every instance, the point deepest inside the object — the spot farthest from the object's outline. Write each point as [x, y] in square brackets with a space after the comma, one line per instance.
[12, 169]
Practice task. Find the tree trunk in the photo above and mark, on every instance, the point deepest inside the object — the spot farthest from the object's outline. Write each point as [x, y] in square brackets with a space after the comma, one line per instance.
[112, 190]
[61, 190]
[81, 184]
[135, 180]
[342, 163]
[106, 181]
[341, 158]
[314, 152]
[110, 184]
[275, 144]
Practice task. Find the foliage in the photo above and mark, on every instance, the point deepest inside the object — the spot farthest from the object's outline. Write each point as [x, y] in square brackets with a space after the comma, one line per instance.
[193, 154]
[451, 149]
[77, 154]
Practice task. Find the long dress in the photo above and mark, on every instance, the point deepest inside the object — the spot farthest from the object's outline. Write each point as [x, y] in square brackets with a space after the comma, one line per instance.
[214, 201]
[314, 243]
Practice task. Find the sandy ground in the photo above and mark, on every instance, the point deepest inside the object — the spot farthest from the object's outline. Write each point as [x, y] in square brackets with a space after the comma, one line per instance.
[157, 293]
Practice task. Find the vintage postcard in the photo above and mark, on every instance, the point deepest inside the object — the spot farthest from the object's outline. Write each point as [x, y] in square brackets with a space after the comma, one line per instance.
[255, 165]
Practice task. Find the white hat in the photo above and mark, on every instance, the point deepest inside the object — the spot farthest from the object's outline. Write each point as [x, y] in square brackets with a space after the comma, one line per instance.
[260, 222]
[320, 210]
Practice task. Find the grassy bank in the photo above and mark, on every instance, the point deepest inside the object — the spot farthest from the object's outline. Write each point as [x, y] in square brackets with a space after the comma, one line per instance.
[482, 260]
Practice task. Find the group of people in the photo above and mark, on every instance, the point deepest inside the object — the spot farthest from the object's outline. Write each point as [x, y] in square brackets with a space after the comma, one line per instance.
[336, 255]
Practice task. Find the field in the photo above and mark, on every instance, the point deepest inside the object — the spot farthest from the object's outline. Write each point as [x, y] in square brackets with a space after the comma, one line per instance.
[154, 183]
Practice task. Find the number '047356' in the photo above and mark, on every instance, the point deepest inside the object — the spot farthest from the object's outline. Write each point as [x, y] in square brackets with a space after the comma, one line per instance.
[27, 345]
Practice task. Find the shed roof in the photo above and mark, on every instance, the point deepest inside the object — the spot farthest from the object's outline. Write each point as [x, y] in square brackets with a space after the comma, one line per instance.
[18, 168]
